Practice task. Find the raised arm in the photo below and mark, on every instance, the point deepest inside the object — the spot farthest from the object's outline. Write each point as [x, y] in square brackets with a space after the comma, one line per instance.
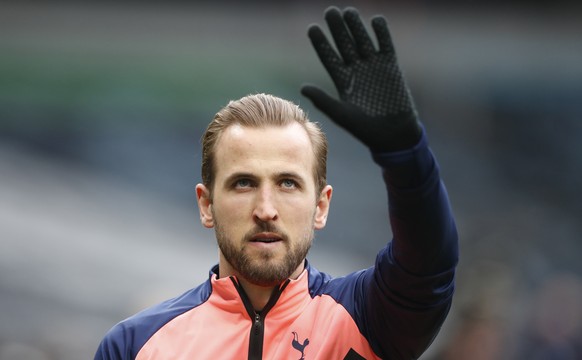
[402, 302]
[376, 107]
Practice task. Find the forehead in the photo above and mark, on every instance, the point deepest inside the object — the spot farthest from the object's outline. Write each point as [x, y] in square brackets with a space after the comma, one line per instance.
[286, 146]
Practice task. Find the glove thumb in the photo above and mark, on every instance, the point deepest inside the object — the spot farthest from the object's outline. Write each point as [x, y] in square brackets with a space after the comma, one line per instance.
[323, 101]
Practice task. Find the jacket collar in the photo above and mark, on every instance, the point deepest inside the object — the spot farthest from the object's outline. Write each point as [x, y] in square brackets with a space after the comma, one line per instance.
[292, 300]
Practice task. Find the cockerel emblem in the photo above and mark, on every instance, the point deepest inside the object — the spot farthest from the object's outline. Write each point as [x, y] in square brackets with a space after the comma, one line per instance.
[299, 346]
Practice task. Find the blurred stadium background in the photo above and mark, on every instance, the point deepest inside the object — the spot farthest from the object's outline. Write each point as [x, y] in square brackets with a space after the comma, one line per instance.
[102, 105]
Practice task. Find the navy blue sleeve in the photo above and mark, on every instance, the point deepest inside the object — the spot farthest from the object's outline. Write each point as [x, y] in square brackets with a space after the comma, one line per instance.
[125, 340]
[117, 345]
[425, 236]
[401, 303]
[407, 295]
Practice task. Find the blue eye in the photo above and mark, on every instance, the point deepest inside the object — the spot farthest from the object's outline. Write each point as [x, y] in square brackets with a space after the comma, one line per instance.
[242, 183]
[288, 183]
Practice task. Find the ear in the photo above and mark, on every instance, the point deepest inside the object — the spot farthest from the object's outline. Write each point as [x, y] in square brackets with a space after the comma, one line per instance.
[322, 208]
[204, 205]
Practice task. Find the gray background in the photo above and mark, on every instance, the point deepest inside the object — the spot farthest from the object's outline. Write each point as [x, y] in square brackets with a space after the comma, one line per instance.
[102, 106]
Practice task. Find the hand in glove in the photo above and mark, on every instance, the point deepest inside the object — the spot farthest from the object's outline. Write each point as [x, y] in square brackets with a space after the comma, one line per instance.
[375, 104]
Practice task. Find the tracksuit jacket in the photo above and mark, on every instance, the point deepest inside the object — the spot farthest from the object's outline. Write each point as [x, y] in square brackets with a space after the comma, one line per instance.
[392, 310]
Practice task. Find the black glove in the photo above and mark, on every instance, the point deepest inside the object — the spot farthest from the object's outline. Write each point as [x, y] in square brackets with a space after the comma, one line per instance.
[375, 104]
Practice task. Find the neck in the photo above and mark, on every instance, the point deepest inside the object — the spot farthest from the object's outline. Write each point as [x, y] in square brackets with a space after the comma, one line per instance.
[258, 295]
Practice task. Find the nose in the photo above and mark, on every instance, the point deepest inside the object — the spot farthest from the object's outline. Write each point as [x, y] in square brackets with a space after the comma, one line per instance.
[265, 209]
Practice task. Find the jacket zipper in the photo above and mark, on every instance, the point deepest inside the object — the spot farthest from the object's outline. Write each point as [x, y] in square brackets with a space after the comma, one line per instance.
[257, 334]
[256, 338]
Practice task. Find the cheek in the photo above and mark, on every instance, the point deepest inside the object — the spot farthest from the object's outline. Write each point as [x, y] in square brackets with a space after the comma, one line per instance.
[231, 209]
[297, 212]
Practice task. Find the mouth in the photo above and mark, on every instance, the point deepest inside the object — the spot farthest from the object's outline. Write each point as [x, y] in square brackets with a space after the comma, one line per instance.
[266, 238]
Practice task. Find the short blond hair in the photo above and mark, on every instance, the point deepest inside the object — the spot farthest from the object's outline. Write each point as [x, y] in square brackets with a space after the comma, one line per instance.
[256, 111]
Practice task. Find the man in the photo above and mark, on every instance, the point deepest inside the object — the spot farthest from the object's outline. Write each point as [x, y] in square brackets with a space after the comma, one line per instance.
[264, 192]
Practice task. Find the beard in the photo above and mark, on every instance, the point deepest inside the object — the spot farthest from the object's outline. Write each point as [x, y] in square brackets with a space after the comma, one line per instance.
[264, 268]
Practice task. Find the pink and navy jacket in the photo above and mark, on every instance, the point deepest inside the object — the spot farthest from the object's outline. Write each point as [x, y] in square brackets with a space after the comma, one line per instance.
[392, 310]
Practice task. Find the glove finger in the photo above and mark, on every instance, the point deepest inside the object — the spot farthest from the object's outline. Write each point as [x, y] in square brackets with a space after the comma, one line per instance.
[327, 55]
[380, 27]
[324, 102]
[360, 34]
[341, 35]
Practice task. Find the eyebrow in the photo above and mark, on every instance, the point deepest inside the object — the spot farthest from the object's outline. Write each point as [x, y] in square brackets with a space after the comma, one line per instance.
[238, 175]
[246, 175]
[289, 174]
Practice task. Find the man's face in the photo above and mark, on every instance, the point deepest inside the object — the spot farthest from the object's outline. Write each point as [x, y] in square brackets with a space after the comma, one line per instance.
[264, 205]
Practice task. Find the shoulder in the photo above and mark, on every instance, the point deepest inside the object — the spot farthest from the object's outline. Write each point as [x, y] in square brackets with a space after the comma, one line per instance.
[124, 340]
[344, 290]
